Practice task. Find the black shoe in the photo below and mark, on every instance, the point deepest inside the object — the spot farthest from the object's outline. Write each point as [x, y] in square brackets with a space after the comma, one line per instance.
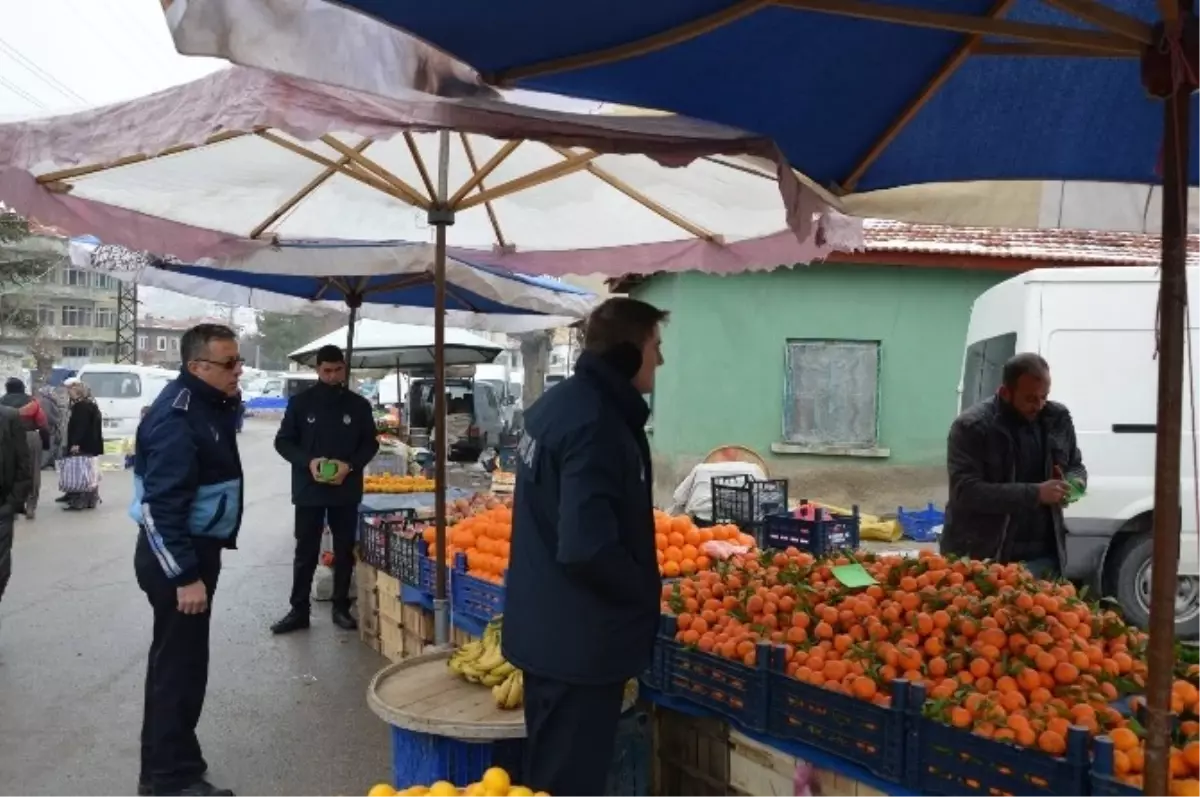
[62, 499]
[343, 620]
[144, 789]
[199, 788]
[292, 621]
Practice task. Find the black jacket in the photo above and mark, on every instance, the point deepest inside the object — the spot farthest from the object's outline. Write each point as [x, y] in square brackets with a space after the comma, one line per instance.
[330, 423]
[84, 429]
[16, 464]
[984, 493]
[582, 599]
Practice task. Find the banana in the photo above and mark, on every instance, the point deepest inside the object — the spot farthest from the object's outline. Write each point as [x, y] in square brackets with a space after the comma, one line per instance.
[516, 695]
[490, 660]
[492, 678]
[501, 691]
[503, 671]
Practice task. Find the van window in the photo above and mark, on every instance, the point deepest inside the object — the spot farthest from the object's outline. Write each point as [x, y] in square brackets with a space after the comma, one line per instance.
[983, 369]
[113, 385]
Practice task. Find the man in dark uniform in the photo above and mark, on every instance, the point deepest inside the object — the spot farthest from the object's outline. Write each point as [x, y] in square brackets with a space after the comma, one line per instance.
[16, 476]
[187, 502]
[1009, 460]
[583, 587]
[325, 423]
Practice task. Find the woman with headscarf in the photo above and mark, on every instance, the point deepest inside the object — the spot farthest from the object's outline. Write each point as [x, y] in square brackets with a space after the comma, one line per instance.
[84, 439]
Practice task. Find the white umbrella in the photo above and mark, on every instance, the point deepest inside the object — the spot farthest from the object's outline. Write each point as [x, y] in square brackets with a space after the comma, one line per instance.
[402, 346]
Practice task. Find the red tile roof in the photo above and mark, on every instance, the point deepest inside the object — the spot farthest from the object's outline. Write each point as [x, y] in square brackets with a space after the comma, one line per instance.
[1083, 247]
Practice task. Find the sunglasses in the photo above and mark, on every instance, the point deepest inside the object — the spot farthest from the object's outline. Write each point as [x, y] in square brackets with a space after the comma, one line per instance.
[228, 365]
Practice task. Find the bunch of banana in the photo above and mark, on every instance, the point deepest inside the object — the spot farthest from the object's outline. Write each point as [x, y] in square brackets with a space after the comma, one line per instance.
[481, 661]
[511, 693]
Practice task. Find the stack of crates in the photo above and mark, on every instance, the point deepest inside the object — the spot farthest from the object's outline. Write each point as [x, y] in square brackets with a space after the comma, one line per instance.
[365, 576]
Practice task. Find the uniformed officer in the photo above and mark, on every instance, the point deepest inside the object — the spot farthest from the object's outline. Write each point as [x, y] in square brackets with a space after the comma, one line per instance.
[188, 507]
[583, 587]
[331, 426]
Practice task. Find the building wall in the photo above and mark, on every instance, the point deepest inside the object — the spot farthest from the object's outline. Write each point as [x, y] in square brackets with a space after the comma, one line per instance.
[77, 310]
[724, 382]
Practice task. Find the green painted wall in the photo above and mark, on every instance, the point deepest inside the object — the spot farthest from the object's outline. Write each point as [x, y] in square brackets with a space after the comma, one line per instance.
[723, 380]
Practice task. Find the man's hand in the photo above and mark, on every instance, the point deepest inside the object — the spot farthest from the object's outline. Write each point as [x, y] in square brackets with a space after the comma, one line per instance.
[74, 449]
[1053, 492]
[343, 470]
[314, 467]
[193, 598]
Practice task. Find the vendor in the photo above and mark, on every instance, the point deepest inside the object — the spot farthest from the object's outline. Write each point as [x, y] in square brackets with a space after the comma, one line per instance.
[327, 423]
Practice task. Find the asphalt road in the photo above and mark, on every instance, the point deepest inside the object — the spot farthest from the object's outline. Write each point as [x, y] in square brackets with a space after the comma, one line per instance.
[284, 715]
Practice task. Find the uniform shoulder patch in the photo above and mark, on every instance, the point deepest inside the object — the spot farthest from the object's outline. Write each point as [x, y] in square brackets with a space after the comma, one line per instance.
[183, 400]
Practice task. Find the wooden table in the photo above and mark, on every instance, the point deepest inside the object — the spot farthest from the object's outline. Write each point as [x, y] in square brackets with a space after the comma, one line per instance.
[422, 695]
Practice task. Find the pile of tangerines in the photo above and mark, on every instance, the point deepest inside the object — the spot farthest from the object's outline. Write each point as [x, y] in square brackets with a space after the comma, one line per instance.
[484, 537]
[1000, 653]
[680, 543]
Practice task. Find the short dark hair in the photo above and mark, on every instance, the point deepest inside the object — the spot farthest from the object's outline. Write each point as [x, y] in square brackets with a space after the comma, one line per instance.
[195, 341]
[621, 320]
[330, 354]
[14, 385]
[1025, 364]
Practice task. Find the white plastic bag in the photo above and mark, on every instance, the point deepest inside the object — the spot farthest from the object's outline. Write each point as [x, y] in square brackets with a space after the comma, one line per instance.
[322, 588]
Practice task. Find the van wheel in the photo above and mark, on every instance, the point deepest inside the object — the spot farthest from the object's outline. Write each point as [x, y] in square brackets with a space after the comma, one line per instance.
[1131, 577]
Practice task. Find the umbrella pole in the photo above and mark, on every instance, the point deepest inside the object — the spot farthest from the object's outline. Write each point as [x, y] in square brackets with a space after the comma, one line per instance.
[1164, 80]
[354, 302]
[440, 216]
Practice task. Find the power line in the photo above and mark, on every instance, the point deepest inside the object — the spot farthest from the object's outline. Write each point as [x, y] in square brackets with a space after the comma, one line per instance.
[22, 93]
[41, 74]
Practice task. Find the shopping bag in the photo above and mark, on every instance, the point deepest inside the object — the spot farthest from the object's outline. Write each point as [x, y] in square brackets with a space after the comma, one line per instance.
[78, 475]
[322, 589]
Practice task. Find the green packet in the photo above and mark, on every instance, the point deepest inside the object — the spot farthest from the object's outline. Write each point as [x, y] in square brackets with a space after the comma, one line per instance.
[328, 469]
[1076, 491]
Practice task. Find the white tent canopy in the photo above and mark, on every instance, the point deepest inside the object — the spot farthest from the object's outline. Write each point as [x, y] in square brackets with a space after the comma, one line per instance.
[378, 344]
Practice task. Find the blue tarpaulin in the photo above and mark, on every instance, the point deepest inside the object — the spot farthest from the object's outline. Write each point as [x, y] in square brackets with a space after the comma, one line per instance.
[827, 87]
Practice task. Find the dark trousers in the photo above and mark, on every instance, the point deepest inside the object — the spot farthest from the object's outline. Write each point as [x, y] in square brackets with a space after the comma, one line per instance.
[570, 734]
[6, 546]
[176, 673]
[310, 524]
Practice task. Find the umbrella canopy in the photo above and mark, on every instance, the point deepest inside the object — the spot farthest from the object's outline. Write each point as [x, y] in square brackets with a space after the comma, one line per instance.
[393, 280]
[296, 160]
[378, 344]
[947, 93]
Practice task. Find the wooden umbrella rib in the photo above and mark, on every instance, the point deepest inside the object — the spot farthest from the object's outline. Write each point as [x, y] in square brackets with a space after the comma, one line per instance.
[403, 281]
[303, 193]
[1106, 17]
[965, 23]
[649, 204]
[1040, 50]
[364, 178]
[81, 171]
[491, 211]
[411, 141]
[535, 178]
[367, 164]
[481, 173]
[622, 52]
[944, 73]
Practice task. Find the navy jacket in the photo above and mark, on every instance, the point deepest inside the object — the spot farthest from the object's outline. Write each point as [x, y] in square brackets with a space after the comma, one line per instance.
[332, 423]
[583, 588]
[187, 474]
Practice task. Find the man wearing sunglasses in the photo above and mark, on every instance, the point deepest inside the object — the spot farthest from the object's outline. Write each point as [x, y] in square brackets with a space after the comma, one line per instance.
[187, 503]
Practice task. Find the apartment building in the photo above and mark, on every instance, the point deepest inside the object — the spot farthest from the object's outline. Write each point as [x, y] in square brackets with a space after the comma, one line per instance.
[75, 312]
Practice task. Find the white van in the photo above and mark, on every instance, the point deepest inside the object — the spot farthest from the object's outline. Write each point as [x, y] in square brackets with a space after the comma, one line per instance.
[121, 391]
[1096, 328]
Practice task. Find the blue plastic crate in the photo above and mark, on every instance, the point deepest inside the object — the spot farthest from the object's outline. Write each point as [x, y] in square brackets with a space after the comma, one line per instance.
[629, 773]
[655, 676]
[922, 525]
[472, 597]
[867, 734]
[732, 689]
[427, 572]
[941, 759]
[1103, 779]
[747, 502]
[422, 758]
[818, 537]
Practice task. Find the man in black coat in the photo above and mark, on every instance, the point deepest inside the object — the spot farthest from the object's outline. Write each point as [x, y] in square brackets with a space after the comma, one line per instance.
[1009, 459]
[327, 426]
[16, 478]
[583, 588]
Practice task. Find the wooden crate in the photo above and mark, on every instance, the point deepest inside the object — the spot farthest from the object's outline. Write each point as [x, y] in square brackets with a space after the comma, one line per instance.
[390, 605]
[828, 783]
[460, 637]
[691, 755]
[758, 769]
[364, 576]
[417, 621]
[397, 643]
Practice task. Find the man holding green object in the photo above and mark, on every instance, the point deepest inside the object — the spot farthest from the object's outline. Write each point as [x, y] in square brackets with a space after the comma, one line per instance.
[328, 436]
[1013, 465]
